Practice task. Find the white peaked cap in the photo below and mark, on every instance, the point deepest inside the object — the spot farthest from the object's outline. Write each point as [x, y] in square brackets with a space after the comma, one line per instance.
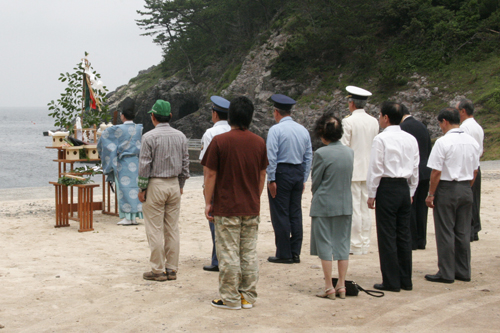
[357, 93]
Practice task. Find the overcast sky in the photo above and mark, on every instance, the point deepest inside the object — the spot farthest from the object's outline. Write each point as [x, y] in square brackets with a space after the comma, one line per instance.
[41, 38]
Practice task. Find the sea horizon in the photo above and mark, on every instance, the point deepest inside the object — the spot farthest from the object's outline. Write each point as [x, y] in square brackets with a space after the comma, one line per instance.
[25, 162]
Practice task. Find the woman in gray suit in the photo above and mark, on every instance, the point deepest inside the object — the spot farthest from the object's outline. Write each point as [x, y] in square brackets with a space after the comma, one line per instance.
[331, 207]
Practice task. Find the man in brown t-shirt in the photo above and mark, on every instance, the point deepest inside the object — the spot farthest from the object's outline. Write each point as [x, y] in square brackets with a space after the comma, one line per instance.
[235, 171]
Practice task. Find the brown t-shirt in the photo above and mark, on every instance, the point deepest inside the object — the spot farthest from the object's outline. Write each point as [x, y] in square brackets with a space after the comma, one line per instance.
[238, 157]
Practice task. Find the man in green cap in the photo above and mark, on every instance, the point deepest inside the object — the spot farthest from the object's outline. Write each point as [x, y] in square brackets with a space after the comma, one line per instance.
[163, 170]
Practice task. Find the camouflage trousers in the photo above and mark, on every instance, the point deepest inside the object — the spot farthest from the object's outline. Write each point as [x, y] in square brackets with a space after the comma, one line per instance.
[236, 245]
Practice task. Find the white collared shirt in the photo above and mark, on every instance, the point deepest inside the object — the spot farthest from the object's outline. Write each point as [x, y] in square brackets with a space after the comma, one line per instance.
[471, 127]
[219, 127]
[394, 154]
[456, 155]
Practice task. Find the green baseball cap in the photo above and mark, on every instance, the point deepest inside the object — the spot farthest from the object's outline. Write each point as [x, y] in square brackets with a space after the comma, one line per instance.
[161, 108]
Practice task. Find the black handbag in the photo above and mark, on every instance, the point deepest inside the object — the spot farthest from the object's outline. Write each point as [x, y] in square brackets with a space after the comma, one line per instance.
[353, 289]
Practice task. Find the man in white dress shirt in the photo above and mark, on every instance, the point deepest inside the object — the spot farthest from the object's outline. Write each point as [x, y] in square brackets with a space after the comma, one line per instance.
[470, 126]
[454, 161]
[359, 130]
[220, 109]
[392, 180]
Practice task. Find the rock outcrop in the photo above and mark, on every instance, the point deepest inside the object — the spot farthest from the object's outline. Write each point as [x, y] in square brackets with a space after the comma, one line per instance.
[191, 104]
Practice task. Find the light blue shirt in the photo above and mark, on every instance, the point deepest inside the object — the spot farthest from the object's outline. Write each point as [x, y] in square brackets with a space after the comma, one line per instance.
[288, 142]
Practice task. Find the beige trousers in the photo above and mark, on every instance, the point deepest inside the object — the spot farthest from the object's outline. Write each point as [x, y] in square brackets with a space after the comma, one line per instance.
[161, 218]
[361, 220]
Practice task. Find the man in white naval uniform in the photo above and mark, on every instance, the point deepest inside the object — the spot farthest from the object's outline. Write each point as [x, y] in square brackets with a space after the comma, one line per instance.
[359, 130]
[220, 109]
[470, 126]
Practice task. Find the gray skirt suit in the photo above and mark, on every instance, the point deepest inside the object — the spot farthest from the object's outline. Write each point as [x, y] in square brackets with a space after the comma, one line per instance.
[331, 207]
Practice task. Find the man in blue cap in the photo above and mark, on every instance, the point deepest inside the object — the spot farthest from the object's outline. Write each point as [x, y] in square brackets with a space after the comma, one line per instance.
[220, 109]
[289, 152]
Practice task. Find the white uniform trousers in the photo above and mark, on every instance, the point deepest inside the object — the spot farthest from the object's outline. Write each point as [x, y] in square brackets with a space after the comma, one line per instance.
[361, 220]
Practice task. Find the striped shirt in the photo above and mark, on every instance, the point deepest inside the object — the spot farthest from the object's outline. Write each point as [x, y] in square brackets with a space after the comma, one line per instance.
[164, 154]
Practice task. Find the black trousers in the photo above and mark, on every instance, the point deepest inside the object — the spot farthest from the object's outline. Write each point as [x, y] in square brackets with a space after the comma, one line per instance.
[392, 212]
[286, 210]
[419, 211]
[215, 261]
[452, 215]
[476, 205]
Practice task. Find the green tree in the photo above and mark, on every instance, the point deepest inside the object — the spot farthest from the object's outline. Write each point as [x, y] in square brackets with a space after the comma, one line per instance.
[199, 33]
[71, 105]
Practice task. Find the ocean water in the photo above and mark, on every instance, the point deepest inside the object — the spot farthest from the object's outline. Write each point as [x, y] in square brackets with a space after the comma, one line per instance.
[24, 160]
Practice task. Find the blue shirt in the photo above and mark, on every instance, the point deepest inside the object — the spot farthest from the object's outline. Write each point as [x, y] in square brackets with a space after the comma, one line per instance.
[288, 142]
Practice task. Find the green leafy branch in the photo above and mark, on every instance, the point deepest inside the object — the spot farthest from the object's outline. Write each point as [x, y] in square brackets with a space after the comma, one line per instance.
[65, 109]
[72, 181]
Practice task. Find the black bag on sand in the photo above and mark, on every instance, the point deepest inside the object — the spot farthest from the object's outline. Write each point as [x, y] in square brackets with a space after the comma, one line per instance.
[353, 289]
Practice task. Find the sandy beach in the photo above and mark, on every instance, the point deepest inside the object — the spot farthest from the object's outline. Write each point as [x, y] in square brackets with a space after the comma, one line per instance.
[60, 280]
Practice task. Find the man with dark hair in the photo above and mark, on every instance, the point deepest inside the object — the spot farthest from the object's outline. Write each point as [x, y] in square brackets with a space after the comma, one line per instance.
[220, 111]
[119, 148]
[454, 161]
[359, 130]
[163, 170]
[419, 209]
[470, 126]
[289, 152]
[235, 174]
[392, 180]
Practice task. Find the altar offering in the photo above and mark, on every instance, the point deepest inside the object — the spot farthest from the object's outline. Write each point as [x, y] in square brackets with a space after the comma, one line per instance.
[72, 153]
[58, 138]
[91, 151]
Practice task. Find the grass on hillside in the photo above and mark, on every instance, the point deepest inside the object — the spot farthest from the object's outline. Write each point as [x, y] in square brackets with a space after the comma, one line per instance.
[480, 82]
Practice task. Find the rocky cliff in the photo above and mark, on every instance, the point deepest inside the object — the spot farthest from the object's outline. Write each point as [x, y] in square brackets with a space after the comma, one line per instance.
[191, 105]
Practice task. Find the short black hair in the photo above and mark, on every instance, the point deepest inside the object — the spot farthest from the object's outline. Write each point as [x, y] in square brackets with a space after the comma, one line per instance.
[128, 114]
[467, 105]
[450, 114]
[240, 112]
[127, 108]
[404, 109]
[328, 127]
[162, 119]
[393, 111]
[222, 115]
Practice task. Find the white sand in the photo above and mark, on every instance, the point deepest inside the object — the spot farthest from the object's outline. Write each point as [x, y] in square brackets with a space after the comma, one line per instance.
[60, 280]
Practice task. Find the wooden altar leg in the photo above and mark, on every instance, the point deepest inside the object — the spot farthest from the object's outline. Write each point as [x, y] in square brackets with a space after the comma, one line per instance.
[61, 198]
[85, 207]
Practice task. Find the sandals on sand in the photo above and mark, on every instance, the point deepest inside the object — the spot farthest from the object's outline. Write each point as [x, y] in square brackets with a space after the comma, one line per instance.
[326, 294]
[340, 292]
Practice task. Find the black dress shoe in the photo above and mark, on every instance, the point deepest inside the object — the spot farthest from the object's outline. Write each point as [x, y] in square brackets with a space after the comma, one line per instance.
[296, 259]
[462, 279]
[211, 268]
[380, 286]
[277, 260]
[476, 237]
[437, 278]
[407, 288]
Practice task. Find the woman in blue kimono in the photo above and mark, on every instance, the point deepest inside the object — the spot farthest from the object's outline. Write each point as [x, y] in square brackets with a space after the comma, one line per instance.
[119, 148]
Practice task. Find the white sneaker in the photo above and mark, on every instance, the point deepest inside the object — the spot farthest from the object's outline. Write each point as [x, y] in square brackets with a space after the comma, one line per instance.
[125, 222]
